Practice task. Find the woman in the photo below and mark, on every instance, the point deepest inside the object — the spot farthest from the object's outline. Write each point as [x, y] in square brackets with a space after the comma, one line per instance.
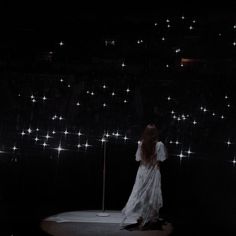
[145, 200]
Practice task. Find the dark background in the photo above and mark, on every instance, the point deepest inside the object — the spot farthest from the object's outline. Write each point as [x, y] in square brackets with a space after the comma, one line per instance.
[36, 182]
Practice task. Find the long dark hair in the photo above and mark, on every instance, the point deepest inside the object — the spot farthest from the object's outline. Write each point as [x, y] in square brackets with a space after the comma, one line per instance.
[149, 139]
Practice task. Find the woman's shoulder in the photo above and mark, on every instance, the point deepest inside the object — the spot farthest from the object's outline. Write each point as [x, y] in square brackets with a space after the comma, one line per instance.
[159, 144]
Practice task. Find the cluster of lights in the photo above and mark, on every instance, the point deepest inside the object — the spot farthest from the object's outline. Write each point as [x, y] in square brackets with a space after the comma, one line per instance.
[55, 117]
[104, 139]
[116, 134]
[213, 113]
[110, 42]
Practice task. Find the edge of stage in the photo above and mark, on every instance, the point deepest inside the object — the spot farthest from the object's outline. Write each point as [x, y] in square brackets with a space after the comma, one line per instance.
[92, 223]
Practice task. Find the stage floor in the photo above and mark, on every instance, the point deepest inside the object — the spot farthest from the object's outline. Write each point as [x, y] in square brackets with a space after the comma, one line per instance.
[88, 223]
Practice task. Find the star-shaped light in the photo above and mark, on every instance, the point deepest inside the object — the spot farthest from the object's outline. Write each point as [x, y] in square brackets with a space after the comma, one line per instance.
[66, 132]
[194, 122]
[181, 156]
[14, 148]
[177, 142]
[47, 136]
[44, 98]
[172, 112]
[234, 161]
[228, 142]
[59, 149]
[22, 133]
[79, 134]
[87, 145]
[107, 135]
[36, 139]
[189, 152]
[123, 64]
[125, 138]
[44, 144]
[53, 132]
[103, 140]
[29, 130]
[117, 134]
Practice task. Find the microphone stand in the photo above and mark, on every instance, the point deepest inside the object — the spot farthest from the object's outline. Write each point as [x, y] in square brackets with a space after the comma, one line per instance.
[103, 213]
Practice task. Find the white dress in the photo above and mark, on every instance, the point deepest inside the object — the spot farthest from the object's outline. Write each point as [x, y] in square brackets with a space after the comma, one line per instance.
[146, 197]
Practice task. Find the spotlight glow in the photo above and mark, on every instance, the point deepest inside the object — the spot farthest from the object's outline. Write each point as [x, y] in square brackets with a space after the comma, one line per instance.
[228, 142]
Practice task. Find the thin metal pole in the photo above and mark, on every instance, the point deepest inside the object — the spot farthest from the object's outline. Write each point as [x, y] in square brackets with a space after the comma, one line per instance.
[104, 178]
[103, 214]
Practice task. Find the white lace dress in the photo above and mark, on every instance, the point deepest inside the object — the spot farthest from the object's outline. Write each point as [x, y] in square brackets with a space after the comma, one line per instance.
[146, 197]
